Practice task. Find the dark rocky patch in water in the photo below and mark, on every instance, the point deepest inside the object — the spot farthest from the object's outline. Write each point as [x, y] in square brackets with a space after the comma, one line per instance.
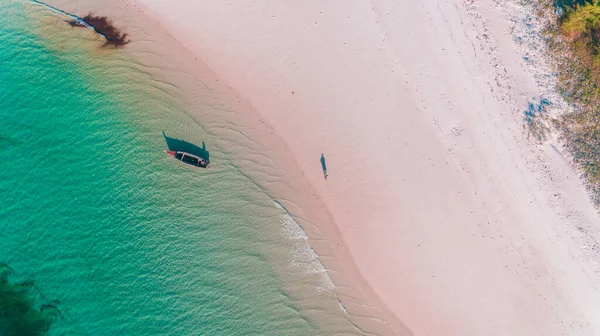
[77, 23]
[103, 26]
[22, 310]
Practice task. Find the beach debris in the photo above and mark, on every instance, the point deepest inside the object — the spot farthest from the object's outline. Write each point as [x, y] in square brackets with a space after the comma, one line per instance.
[77, 22]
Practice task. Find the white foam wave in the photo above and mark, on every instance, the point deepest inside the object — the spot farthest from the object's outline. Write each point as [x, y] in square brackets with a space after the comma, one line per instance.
[302, 254]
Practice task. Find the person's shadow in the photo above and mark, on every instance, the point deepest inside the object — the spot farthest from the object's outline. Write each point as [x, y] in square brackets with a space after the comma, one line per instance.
[184, 146]
[324, 166]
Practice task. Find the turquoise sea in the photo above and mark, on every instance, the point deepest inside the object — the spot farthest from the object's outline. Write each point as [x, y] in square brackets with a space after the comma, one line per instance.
[101, 233]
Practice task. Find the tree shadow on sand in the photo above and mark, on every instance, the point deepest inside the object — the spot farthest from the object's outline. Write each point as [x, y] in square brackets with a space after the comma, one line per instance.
[184, 146]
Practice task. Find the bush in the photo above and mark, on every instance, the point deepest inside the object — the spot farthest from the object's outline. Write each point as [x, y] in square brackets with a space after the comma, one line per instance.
[581, 29]
[568, 4]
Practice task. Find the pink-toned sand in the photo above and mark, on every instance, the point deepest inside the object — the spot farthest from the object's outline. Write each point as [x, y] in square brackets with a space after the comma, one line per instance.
[454, 221]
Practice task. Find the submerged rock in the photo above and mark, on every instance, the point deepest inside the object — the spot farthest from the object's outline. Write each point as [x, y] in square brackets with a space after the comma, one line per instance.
[21, 312]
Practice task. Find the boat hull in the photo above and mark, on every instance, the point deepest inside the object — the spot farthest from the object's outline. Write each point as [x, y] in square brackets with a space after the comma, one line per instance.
[189, 159]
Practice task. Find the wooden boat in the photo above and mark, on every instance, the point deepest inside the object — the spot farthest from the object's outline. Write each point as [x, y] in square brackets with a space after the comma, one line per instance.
[188, 158]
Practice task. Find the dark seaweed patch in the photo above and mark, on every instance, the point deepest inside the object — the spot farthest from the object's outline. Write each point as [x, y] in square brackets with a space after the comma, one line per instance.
[21, 313]
[103, 26]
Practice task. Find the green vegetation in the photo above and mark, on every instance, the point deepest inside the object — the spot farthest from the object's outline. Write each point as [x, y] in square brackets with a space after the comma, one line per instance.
[568, 4]
[573, 39]
[580, 27]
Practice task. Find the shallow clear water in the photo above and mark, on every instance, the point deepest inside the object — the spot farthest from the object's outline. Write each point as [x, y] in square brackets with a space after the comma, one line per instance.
[125, 239]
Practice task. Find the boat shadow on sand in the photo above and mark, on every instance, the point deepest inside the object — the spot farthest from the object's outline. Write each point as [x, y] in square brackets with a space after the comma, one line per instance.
[184, 146]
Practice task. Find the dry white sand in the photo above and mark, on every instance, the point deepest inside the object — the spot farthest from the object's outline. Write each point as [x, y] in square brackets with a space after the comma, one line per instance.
[457, 222]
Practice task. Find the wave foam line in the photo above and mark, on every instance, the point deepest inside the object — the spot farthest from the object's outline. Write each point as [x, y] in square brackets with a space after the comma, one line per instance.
[302, 254]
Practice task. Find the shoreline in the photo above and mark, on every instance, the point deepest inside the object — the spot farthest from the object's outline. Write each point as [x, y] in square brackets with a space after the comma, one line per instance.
[462, 229]
[265, 159]
[469, 121]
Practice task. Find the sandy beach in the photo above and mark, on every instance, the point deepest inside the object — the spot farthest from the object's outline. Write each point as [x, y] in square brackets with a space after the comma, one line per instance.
[439, 215]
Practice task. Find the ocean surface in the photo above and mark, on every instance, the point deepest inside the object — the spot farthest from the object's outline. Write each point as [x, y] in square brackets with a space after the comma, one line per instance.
[102, 233]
